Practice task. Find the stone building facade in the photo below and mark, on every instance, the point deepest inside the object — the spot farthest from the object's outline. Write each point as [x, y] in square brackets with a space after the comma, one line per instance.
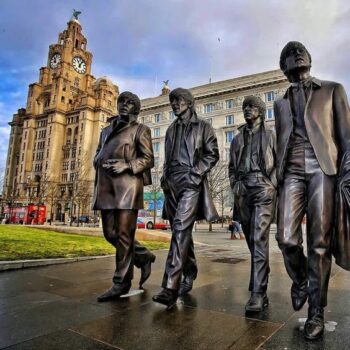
[220, 103]
[53, 140]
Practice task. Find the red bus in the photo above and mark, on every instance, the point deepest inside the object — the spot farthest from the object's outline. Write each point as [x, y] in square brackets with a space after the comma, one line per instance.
[30, 214]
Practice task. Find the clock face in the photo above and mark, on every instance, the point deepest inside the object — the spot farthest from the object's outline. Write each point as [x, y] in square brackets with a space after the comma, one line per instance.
[79, 64]
[55, 60]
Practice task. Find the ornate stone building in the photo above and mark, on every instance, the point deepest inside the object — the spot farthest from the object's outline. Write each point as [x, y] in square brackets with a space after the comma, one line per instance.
[221, 104]
[53, 140]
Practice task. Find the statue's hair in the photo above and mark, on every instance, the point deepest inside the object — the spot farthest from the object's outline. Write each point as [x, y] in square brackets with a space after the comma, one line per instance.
[186, 95]
[256, 102]
[284, 53]
[134, 98]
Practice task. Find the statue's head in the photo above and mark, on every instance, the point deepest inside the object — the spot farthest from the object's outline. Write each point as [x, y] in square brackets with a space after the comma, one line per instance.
[253, 108]
[128, 103]
[294, 56]
[181, 100]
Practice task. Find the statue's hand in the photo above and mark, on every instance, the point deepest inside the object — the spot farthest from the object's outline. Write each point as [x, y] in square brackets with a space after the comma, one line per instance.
[116, 167]
[239, 189]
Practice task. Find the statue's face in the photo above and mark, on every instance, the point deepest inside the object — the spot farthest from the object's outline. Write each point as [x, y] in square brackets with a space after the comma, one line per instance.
[126, 107]
[251, 113]
[297, 58]
[179, 106]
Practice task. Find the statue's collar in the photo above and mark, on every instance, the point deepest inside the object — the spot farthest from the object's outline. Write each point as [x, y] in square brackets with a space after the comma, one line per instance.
[315, 83]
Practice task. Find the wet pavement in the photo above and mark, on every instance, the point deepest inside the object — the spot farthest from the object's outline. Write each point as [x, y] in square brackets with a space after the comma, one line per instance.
[55, 307]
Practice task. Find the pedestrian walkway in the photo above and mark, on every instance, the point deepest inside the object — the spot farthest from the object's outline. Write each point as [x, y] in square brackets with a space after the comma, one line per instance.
[55, 307]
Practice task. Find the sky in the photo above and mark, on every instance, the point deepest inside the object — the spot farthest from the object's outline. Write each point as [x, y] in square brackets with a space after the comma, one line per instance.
[140, 43]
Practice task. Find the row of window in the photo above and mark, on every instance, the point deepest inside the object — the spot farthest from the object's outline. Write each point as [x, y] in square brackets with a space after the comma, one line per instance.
[41, 123]
[211, 107]
[40, 144]
[72, 177]
[66, 153]
[66, 165]
[41, 134]
[230, 120]
[73, 120]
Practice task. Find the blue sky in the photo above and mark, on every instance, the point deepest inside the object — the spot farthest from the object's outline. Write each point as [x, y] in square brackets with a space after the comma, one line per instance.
[140, 43]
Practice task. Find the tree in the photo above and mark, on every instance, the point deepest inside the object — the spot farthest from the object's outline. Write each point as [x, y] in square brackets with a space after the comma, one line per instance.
[155, 190]
[81, 189]
[219, 186]
[52, 196]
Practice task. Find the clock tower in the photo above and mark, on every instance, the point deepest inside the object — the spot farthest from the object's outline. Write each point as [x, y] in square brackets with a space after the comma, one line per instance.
[53, 140]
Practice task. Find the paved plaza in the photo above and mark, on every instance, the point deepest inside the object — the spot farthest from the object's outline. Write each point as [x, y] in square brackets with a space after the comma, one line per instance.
[55, 307]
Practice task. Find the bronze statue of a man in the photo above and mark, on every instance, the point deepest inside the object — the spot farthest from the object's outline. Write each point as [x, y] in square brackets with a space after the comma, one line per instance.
[252, 175]
[123, 161]
[191, 150]
[313, 133]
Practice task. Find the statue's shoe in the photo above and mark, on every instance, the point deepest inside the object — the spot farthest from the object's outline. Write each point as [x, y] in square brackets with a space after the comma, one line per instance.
[114, 293]
[257, 302]
[167, 297]
[314, 325]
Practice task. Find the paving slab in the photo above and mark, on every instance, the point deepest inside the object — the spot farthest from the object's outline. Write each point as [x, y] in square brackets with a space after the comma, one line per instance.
[55, 307]
[151, 327]
[67, 340]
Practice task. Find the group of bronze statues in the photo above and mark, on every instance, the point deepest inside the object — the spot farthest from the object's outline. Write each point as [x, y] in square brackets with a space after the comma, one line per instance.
[299, 166]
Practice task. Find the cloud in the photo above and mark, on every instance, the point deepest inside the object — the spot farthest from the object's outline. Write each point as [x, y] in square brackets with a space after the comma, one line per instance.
[141, 43]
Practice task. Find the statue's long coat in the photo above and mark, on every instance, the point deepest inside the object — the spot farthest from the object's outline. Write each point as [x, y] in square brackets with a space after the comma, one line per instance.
[131, 143]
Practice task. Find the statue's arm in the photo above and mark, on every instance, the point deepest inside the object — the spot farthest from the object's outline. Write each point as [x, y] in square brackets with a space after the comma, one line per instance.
[145, 158]
[273, 144]
[232, 164]
[99, 146]
[210, 153]
[342, 115]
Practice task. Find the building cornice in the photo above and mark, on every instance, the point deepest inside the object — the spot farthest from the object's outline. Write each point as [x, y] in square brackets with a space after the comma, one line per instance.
[221, 88]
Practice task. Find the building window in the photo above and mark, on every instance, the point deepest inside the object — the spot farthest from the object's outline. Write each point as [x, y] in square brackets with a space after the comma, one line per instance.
[230, 120]
[76, 82]
[157, 118]
[229, 136]
[269, 114]
[71, 177]
[156, 132]
[269, 96]
[171, 115]
[229, 104]
[156, 146]
[209, 107]
[62, 99]
[64, 177]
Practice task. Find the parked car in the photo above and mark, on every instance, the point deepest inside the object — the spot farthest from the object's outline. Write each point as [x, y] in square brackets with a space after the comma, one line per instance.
[84, 218]
[150, 225]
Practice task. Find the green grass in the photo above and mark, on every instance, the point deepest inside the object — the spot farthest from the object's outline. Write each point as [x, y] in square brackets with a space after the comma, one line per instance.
[21, 242]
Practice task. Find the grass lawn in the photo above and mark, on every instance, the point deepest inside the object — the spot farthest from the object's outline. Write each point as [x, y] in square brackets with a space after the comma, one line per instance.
[23, 242]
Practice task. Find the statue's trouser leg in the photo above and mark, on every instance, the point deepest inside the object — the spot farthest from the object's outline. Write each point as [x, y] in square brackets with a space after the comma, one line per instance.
[141, 254]
[256, 210]
[181, 205]
[119, 228]
[306, 186]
